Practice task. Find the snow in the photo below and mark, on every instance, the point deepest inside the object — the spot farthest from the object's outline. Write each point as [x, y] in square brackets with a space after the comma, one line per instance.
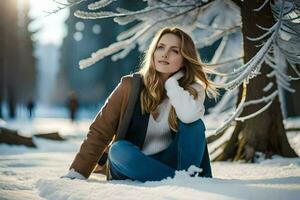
[27, 173]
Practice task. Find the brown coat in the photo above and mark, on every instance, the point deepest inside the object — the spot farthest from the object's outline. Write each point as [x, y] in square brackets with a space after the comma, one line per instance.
[103, 128]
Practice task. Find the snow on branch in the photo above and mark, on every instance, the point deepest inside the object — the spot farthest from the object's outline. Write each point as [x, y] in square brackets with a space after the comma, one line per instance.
[216, 34]
[99, 4]
[218, 64]
[227, 102]
[295, 69]
[131, 31]
[128, 44]
[287, 13]
[254, 114]
[277, 61]
[147, 10]
[269, 99]
[269, 31]
[268, 87]
[62, 5]
[228, 122]
[266, 99]
[235, 116]
[250, 69]
[113, 48]
[262, 6]
[96, 15]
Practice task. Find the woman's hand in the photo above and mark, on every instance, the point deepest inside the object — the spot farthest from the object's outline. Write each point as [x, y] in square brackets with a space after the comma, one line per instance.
[174, 79]
[188, 109]
[72, 174]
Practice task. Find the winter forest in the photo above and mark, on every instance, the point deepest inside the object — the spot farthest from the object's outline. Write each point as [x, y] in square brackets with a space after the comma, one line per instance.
[61, 59]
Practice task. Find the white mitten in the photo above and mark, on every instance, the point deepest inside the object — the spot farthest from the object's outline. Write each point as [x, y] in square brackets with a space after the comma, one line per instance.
[178, 75]
[173, 80]
[72, 174]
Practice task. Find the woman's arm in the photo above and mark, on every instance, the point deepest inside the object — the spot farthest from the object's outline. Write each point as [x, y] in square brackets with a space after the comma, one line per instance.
[187, 108]
[102, 130]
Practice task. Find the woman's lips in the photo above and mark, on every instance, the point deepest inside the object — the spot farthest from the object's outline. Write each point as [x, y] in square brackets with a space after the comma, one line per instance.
[163, 62]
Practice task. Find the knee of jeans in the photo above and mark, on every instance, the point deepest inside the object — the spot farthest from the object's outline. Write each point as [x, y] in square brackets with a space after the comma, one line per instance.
[197, 125]
[117, 148]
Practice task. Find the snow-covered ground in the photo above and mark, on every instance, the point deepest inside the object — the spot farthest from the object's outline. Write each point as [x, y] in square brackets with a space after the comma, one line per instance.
[27, 173]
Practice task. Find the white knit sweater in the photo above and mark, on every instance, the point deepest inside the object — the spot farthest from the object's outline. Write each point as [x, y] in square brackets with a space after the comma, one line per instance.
[158, 135]
[188, 109]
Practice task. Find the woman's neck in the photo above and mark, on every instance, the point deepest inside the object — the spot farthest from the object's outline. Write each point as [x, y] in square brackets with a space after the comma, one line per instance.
[164, 77]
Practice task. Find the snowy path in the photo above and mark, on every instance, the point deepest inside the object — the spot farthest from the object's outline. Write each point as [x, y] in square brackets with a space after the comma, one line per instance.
[34, 174]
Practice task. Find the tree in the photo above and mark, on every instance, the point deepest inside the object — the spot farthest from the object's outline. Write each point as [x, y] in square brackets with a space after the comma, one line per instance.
[26, 63]
[265, 132]
[1, 63]
[8, 53]
[257, 117]
[17, 76]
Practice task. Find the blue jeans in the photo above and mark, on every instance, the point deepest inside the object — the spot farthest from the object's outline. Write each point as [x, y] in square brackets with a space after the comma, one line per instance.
[188, 148]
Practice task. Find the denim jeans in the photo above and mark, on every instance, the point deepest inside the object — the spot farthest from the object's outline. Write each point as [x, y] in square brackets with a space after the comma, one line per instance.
[188, 148]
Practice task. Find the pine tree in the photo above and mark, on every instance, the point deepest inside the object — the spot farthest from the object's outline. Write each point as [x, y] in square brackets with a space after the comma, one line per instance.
[265, 132]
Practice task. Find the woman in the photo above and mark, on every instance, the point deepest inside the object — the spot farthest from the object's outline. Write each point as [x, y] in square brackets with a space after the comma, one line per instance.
[166, 132]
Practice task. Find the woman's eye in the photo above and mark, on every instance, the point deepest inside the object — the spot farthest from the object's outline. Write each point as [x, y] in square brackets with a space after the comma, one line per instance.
[159, 47]
[175, 51]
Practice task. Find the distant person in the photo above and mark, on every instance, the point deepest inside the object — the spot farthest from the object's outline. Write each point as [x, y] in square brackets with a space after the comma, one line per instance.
[165, 130]
[30, 107]
[11, 107]
[72, 105]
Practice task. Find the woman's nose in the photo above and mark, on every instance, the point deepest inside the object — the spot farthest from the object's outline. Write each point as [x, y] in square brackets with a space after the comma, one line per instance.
[165, 54]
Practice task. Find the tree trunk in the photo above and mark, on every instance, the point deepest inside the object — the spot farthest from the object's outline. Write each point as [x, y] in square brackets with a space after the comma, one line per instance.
[264, 133]
[1, 58]
[1, 115]
[9, 53]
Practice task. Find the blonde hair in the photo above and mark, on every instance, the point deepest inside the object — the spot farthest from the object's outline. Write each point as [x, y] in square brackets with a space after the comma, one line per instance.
[153, 93]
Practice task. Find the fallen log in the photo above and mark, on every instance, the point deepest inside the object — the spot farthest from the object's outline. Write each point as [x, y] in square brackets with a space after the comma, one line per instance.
[50, 136]
[12, 137]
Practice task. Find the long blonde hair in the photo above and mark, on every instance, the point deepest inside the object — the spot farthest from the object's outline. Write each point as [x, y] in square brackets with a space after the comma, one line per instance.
[153, 93]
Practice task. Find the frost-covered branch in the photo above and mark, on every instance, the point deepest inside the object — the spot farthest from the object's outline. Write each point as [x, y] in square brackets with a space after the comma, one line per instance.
[128, 44]
[252, 115]
[287, 40]
[235, 116]
[269, 31]
[228, 122]
[99, 4]
[261, 7]
[250, 69]
[113, 48]
[228, 101]
[215, 65]
[147, 10]
[269, 99]
[63, 5]
[268, 87]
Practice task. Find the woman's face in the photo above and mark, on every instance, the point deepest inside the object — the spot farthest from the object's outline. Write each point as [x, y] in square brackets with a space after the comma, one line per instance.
[167, 56]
